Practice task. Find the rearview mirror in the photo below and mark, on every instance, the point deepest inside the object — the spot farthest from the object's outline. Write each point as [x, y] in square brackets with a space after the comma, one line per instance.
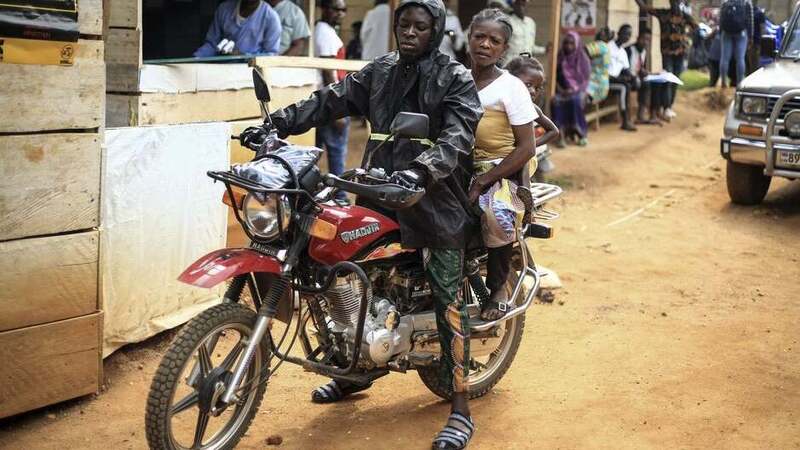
[260, 85]
[410, 125]
[768, 47]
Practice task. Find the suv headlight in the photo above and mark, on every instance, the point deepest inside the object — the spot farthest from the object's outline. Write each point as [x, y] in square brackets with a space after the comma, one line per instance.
[261, 218]
[754, 106]
[792, 124]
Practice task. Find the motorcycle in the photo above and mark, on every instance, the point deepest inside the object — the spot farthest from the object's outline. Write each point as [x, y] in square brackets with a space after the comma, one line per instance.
[335, 279]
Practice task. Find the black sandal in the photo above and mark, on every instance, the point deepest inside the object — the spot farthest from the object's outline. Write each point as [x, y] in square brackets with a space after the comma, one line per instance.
[456, 434]
[335, 391]
[493, 306]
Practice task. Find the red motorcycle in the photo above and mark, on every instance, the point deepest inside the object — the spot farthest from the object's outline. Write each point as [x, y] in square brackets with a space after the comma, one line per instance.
[337, 278]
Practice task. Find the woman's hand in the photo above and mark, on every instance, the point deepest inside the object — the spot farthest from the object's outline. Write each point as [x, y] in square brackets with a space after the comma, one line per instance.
[478, 187]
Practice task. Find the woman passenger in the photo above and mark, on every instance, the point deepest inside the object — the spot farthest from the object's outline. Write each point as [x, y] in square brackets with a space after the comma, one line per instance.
[504, 143]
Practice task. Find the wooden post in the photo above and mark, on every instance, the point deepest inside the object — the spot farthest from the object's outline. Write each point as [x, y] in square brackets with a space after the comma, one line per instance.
[311, 11]
[555, 27]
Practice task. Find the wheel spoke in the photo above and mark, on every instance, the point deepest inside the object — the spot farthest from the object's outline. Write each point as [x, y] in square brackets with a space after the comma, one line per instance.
[200, 430]
[185, 403]
[204, 358]
[230, 360]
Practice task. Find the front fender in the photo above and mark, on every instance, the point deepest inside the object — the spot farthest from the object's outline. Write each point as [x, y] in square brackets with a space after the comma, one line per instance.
[226, 263]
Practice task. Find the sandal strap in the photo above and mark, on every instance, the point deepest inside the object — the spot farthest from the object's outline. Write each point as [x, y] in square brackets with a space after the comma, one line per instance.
[457, 432]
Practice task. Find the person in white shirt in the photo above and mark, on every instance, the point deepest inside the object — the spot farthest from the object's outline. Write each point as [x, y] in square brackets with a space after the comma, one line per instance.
[454, 39]
[332, 137]
[375, 31]
[523, 40]
[504, 145]
[620, 77]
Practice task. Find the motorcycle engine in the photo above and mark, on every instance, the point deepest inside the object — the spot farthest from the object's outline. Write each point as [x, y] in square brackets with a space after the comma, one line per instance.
[386, 332]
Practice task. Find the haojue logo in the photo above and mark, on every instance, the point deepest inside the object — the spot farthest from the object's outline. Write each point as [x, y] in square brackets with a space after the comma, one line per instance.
[348, 236]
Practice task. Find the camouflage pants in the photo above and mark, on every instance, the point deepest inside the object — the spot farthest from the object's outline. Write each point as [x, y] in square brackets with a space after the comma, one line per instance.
[443, 269]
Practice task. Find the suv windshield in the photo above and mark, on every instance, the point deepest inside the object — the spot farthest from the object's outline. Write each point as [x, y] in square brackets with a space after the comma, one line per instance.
[792, 47]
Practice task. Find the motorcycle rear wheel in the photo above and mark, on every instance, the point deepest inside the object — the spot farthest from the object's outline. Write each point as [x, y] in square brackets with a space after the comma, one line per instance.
[493, 370]
[199, 360]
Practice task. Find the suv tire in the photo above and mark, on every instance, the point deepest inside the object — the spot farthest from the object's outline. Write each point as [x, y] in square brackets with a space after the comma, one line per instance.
[747, 185]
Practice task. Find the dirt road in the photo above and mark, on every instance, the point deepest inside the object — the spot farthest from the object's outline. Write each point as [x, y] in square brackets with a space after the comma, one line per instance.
[677, 327]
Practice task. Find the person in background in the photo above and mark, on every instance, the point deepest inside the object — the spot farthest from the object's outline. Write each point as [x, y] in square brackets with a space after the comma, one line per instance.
[354, 47]
[601, 60]
[714, 56]
[375, 31]
[736, 26]
[504, 144]
[294, 26]
[620, 78]
[674, 41]
[759, 28]
[243, 27]
[651, 95]
[523, 40]
[332, 137]
[573, 72]
[454, 40]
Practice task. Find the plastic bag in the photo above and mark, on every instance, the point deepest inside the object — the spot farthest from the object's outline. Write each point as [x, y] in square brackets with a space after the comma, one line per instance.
[273, 174]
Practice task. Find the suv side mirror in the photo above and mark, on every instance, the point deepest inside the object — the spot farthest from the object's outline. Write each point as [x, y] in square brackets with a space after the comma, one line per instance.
[410, 125]
[260, 85]
[768, 49]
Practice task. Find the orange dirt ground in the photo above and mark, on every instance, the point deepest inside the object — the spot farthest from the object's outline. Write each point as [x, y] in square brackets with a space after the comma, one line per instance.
[676, 327]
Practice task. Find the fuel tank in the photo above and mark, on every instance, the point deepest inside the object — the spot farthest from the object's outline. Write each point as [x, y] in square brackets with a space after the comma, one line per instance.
[357, 228]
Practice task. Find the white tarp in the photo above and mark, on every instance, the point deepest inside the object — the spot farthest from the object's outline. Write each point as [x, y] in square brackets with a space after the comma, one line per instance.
[160, 212]
[178, 78]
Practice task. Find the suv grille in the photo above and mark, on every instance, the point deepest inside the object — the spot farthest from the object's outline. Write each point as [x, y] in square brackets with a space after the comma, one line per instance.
[788, 106]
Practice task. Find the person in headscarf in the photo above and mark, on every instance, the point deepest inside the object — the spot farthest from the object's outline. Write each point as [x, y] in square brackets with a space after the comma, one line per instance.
[572, 79]
[416, 78]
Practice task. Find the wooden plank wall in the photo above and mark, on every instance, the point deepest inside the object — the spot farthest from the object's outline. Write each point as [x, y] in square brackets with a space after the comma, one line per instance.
[123, 61]
[50, 163]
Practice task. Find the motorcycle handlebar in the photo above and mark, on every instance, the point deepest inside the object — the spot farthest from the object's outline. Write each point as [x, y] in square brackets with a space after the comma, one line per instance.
[389, 195]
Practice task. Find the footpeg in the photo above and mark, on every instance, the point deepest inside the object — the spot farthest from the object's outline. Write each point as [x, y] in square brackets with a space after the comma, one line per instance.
[539, 231]
[420, 359]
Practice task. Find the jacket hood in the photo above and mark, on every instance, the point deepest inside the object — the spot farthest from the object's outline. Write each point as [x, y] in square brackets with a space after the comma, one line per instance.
[436, 9]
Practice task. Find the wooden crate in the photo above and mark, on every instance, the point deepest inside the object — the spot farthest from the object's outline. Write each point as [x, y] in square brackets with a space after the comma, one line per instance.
[48, 279]
[189, 107]
[49, 183]
[37, 98]
[49, 363]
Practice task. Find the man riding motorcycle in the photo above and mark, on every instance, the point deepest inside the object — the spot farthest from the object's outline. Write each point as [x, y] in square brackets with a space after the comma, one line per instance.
[416, 78]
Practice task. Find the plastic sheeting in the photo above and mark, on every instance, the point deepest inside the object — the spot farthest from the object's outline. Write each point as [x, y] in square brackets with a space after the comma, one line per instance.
[160, 212]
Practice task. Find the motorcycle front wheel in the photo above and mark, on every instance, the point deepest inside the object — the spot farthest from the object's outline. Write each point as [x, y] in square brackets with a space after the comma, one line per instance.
[485, 372]
[183, 407]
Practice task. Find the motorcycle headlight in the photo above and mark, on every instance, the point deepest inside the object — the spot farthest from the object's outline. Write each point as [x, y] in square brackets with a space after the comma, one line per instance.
[792, 124]
[261, 218]
[754, 106]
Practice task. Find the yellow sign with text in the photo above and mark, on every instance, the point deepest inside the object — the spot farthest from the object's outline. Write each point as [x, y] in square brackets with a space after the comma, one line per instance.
[34, 51]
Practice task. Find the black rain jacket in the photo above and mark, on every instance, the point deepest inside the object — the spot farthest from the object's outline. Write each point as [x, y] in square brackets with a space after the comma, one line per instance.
[435, 85]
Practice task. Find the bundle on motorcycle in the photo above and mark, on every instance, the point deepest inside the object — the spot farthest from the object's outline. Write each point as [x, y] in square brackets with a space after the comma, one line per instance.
[339, 279]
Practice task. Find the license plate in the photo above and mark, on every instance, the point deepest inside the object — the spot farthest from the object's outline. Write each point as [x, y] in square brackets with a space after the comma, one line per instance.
[788, 159]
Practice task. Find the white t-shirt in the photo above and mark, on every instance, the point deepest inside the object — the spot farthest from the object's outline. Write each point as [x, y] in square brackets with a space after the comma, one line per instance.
[508, 93]
[619, 59]
[326, 42]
